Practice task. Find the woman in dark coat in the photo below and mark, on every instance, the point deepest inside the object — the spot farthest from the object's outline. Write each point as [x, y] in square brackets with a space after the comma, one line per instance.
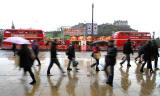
[26, 61]
[148, 54]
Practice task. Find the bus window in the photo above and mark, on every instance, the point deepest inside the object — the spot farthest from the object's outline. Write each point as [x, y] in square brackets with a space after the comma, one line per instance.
[8, 32]
[20, 32]
[128, 34]
[39, 32]
[148, 34]
[122, 34]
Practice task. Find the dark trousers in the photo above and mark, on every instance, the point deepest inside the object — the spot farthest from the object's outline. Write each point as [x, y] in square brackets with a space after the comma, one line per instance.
[71, 60]
[155, 62]
[149, 65]
[55, 60]
[30, 72]
[39, 63]
[110, 74]
[96, 64]
[126, 58]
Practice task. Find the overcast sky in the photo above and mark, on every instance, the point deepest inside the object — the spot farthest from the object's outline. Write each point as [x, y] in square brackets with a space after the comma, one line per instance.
[142, 15]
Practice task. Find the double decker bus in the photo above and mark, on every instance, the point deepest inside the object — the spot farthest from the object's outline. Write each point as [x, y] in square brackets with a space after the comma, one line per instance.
[136, 37]
[29, 34]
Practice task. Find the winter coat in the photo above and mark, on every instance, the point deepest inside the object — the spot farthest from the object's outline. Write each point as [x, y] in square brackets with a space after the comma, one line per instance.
[111, 55]
[53, 52]
[25, 58]
[155, 51]
[127, 49]
[35, 48]
[71, 52]
[148, 52]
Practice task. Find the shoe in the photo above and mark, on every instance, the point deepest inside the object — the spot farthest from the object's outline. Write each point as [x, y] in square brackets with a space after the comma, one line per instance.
[151, 71]
[63, 72]
[77, 69]
[109, 83]
[129, 65]
[141, 71]
[97, 69]
[49, 75]
[121, 64]
[33, 82]
[156, 68]
[69, 69]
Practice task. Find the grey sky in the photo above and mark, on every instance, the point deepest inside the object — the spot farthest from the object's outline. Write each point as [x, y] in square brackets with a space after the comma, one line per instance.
[51, 14]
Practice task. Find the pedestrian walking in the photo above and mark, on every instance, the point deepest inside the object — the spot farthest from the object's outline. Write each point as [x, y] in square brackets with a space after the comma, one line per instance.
[96, 55]
[26, 61]
[155, 54]
[127, 50]
[110, 60]
[35, 49]
[14, 49]
[54, 59]
[148, 55]
[71, 56]
[140, 52]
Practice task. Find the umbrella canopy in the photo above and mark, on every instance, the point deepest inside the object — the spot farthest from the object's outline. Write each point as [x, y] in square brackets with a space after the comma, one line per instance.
[100, 42]
[17, 40]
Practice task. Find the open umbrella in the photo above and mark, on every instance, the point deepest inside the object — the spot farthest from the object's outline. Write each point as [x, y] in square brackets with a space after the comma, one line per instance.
[17, 40]
[100, 42]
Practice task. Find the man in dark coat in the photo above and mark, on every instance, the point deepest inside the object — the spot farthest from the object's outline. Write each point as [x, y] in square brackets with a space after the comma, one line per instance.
[155, 53]
[35, 49]
[54, 59]
[148, 54]
[110, 60]
[71, 56]
[127, 50]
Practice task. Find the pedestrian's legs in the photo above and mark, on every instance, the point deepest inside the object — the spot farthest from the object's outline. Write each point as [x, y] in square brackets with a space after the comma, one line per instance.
[106, 71]
[128, 59]
[141, 70]
[124, 59]
[58, 64]
[39, 63]
[69, 64]
[94, 64]
[50, 66]
[32, 76]
[149, 65]
[155, 62]
[111, 75]
[97, 63]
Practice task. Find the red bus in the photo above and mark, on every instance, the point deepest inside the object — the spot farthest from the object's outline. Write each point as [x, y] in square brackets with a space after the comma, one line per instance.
[136, 37]
[29, 34]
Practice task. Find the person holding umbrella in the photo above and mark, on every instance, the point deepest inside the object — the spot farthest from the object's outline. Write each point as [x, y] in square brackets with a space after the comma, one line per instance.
[110, 60]
[35, 49]
[26, 61]
[54, 59]
[96, 55]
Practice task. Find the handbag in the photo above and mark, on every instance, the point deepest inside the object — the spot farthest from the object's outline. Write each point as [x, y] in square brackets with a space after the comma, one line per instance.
[97, 55]
[75, 63]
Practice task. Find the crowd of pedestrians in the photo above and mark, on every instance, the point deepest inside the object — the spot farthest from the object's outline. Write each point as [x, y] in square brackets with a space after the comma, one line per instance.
[146, 54]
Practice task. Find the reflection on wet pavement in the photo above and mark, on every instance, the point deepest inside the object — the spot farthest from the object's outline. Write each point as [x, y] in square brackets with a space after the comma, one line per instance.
[86, 82]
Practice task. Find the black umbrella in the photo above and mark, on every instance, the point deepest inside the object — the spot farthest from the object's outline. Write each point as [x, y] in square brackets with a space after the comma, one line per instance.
[100, 42]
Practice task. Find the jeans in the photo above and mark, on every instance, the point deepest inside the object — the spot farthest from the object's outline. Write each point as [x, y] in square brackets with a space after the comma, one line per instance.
[96, 64]
[110, 74]
[149, 65]
[54, 60]
[39, 63]
[126, 58]
[70, 61]
[155, 62]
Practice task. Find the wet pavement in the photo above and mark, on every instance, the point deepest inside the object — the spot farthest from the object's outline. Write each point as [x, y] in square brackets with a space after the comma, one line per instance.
[86, 82]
